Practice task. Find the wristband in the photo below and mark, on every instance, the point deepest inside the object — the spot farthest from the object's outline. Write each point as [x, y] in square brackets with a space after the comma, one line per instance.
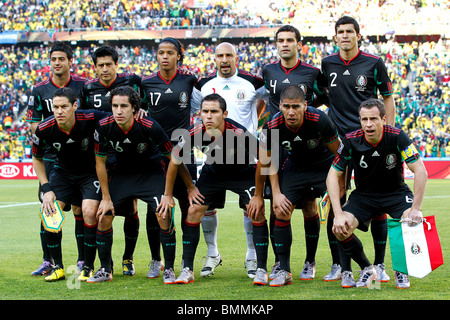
[46, 187]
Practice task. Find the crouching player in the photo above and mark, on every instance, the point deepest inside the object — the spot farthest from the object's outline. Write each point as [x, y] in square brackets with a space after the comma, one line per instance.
[70, 134]
[230, 165]
[377, 152]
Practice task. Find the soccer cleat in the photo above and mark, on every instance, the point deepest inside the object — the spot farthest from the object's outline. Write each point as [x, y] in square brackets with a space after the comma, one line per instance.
[275, 269]
[128, 268]
[56, 275]
[309, 271]
[250, 265]
[80, 265]
[335, 273]
[401, 280]
[210, 264]
[186, 276]
[45, 268]
[366, 277]
[381, 273]
[85, 274]
[100, 276]
[347, 280]
[261, 277]
[282, 278]
[155, 269]
[168, 276]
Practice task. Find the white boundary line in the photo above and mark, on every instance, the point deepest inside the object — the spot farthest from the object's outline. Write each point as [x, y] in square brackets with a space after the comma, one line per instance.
[19, 204]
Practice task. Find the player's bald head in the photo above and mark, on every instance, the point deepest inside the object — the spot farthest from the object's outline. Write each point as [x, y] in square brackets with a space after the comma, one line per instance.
[226, 46]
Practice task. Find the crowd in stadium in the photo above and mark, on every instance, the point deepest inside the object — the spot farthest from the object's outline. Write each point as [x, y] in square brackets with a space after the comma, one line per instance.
[145, 14]
[419, 71]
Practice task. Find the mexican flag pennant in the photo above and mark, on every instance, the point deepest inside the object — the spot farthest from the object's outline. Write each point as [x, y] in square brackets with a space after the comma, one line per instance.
[415, 250]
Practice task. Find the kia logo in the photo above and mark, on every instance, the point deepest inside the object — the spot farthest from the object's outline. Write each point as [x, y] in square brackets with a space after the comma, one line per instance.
[9, 171]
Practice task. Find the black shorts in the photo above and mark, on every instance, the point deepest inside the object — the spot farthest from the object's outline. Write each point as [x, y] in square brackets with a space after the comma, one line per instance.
[72, 188]
[147, 186]
[365, 206]
[213, 186]
[300, 184]
[49, 165]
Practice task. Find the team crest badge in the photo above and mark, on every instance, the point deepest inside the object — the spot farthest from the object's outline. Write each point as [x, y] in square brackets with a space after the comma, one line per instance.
[312, 143]
[85, 144]
[142, 147]
[391, 161]
[183, 99]
[303, 87]
[240, 95]
[415, 249]
[361, 83]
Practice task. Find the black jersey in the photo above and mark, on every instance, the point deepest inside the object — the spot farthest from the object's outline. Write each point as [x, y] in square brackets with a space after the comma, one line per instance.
[306, 146]
[40, 102]
[235, 150]
[350, 83]
[169, 102]
[96, 95]
[277, 78]
[138, 149]
[378, 168]
[74, 151]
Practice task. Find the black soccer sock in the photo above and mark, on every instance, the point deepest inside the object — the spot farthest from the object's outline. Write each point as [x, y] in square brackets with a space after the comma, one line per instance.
[168, 242]
[191, 237]
[104, 246]
[346, 260]
[45, 251]
[353, 248]
[153, 235]
[261, 241]
[54, 247]
[333, 243]
[283, 240]
[131, 232]
[312, 232]
[79, 236]
[378, 227]
[184, 214]
[272, 240]
[90, 246]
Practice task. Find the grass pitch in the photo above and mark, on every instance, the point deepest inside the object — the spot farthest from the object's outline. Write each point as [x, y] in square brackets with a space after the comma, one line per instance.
[20, 253]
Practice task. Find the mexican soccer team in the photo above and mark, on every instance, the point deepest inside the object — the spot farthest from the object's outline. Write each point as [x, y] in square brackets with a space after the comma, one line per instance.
[101, 145]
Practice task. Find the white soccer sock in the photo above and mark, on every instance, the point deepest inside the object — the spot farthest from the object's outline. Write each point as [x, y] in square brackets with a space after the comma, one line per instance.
[248, 227]
[210, 222]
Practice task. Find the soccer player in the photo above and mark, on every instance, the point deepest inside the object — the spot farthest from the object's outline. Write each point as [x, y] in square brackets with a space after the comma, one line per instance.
[244, 94]
[69, 134]
[291, 70]
[353, 76]
[312, 140]
[377, 152]
[39, 108]
[230, 151]
[96, 94]
[138, 174]
[167, 93]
